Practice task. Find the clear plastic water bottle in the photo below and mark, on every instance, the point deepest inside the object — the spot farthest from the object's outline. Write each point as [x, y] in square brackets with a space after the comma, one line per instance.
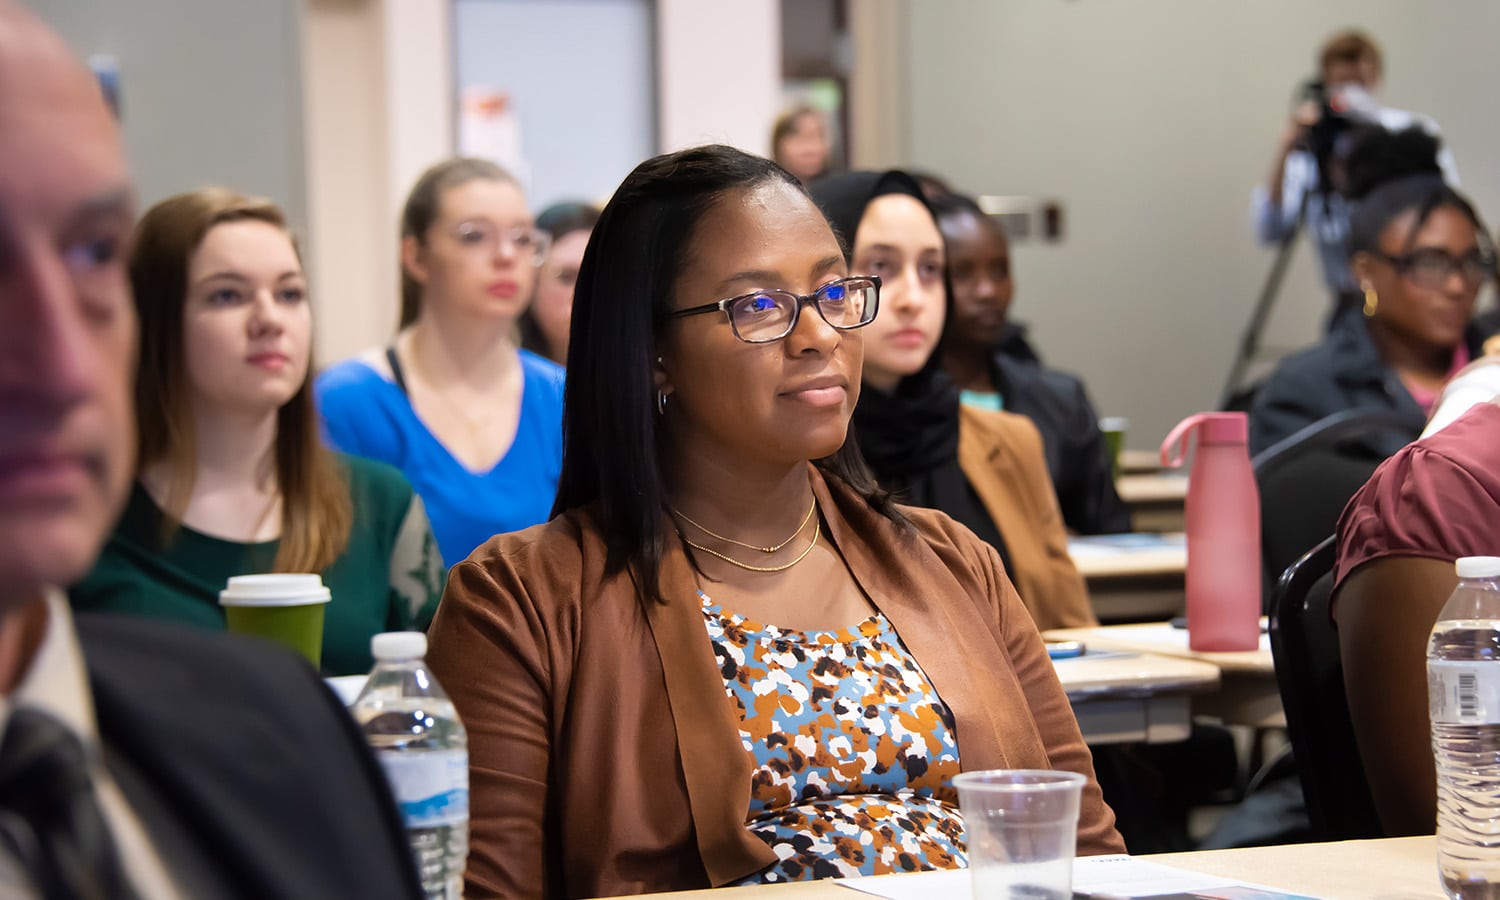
[421, 744]
[1463, 687]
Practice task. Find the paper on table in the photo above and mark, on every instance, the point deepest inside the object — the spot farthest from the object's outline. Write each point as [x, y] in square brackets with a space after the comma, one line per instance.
[1130, 876]
[946, 883]
[1115, 545]
[1105, 876]
[346, 686]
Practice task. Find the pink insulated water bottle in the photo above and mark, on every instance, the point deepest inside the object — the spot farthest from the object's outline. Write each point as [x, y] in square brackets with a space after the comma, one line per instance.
[1223, 532]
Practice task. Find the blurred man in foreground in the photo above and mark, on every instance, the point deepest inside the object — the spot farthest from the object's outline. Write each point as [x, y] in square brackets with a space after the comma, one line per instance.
[137, 760]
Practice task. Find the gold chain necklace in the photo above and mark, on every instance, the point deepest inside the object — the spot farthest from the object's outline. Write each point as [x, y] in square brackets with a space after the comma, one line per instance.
[729, 540]
[476, 427]
[817, 530]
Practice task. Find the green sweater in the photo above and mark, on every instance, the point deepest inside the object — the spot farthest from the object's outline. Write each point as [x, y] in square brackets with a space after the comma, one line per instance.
[389, 577]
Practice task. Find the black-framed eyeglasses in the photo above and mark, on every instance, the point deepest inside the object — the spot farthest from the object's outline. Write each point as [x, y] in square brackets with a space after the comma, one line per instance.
[760, 317]
[1431, 267]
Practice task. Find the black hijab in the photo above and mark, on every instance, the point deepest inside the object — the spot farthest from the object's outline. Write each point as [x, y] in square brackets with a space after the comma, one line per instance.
[909, 436]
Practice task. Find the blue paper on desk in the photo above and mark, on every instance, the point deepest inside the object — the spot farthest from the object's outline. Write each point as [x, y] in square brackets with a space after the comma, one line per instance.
[1132, 540]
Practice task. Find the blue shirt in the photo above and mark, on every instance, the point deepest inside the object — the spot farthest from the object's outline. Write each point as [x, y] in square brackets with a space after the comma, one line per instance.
[368, 415]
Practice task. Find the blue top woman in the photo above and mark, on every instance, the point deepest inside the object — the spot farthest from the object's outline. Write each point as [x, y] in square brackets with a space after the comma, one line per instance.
[473, 421]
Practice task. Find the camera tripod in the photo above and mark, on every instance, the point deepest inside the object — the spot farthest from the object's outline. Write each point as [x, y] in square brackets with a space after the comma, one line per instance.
[1236, 394]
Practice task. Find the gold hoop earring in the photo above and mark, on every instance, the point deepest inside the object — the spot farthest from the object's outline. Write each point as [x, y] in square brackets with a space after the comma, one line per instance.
[1372, 301]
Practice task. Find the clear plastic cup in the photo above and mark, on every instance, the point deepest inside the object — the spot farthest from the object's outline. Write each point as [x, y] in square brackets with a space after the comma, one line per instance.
[1021, 826]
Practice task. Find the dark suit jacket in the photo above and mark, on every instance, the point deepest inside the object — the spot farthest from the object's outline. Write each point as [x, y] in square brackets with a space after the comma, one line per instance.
[1077, 459]
[244, 769]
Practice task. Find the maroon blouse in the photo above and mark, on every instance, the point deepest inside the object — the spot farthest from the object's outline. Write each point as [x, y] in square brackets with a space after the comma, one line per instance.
[1437, 498]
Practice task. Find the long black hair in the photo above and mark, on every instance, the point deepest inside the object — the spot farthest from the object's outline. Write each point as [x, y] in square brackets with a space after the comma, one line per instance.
[611, 433]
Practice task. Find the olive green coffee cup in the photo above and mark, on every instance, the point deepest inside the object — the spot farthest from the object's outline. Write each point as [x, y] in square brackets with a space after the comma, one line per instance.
[1113, 428]
[287, 609]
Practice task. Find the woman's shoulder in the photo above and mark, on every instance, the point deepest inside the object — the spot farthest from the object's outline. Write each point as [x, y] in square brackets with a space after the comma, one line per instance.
[1315, 362]
[998, 422]
[1456, 464]
[931, 529]
[552, 559]
[356, 374]
[1437, 497]
[990, 432]
[542, 373]
[372, 482]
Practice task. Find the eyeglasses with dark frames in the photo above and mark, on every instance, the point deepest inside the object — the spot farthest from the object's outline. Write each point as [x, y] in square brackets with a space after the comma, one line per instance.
[760, 317]
[1431, 267]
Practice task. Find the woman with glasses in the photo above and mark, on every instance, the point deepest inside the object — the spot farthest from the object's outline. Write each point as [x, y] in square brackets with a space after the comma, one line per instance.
[730, 657]
[472, 420]
[986, 469]
[232, 477]
[1420, 255]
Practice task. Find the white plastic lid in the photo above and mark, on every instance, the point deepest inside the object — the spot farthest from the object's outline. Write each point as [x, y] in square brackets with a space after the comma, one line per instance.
[1478, 567]
[280, 589]
[399, 645]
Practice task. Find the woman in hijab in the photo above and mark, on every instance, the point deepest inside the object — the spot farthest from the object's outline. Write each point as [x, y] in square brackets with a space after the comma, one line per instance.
[984, 468]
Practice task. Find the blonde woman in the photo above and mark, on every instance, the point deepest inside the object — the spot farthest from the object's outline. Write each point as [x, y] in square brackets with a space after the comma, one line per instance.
[471, 419]
[232, 477]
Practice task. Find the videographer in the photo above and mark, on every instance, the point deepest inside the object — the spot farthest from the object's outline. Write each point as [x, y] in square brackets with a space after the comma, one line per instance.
[1309, 158]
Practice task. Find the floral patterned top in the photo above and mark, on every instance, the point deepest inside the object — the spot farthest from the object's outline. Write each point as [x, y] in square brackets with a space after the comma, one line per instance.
[854, 751]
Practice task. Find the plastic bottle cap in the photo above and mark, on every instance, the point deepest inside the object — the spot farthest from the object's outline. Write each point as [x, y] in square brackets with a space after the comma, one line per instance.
[1478, 567]
[399, 645]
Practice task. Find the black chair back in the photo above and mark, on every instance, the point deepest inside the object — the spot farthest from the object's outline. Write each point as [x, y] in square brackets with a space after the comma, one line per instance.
[1310, 676]
[1306, 480]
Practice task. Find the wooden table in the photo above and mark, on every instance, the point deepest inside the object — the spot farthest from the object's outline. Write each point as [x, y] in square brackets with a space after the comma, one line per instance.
[1133, 697]
[1133, 577]
[1247, 692]
[1155, 500]
[1389, 869]
[1140, 462]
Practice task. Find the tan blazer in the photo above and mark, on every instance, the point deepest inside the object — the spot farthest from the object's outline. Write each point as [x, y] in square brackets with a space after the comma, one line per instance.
[1001, 456]
[604, 754]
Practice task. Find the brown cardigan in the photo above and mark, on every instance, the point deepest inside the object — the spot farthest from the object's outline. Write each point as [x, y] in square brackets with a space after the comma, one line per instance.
[1001, 456]
[604, 754]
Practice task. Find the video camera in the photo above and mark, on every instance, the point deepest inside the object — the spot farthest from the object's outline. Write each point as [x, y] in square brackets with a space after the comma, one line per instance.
[1339, 109]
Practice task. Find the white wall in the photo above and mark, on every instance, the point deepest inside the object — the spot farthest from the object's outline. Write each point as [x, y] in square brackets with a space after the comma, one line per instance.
[419, 92]
[377, 82]
[328, 107]
[719, 71]
[879, 85]
[583, 126]
[1151, 119]
[210, 90]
